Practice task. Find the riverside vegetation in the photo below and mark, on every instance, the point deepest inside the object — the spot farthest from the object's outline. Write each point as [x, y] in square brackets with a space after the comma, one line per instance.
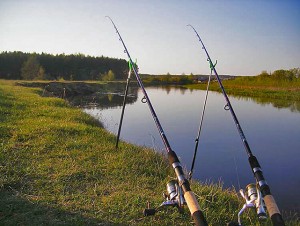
[58, 166]
[281, 84]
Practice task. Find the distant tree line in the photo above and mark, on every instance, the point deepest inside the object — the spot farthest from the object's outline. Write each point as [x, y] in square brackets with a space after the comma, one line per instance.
[33, 66]
[169, 79]
[288, 75]
[182, 79]
[279, 78]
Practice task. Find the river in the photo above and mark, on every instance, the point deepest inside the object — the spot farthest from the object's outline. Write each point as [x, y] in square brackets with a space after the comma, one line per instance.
[271, 127]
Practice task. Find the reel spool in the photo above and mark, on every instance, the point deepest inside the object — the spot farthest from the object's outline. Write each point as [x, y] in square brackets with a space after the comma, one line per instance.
[254, 199]
[174, 198]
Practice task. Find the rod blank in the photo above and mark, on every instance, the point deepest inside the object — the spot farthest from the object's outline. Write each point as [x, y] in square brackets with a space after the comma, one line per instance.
[192, 202]
[271, 205]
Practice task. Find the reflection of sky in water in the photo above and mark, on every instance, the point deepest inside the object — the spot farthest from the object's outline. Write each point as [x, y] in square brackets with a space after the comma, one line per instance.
[273, 135]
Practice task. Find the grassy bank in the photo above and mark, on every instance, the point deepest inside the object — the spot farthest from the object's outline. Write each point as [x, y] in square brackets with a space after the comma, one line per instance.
[257, 87]
[58, 166]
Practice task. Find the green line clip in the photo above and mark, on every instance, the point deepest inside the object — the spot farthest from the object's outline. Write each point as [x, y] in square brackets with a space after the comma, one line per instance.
[212, 66]
[130, 66]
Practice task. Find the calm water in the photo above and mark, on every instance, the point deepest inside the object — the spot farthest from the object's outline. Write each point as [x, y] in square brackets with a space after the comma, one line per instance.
[272, 132]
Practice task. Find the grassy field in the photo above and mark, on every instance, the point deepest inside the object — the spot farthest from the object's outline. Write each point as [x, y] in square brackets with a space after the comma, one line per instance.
[256, 87]
[58, 166]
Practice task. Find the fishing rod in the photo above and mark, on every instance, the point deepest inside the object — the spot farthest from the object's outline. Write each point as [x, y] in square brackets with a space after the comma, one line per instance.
[269, 200]
[200, 126]
[183, 183]
[124, 103]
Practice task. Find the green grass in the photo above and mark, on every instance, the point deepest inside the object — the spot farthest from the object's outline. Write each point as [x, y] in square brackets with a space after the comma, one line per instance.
[58, 166]
[255, 87]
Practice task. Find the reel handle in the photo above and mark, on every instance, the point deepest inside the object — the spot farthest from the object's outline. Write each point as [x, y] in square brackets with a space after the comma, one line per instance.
[149, 212]
[232, 223]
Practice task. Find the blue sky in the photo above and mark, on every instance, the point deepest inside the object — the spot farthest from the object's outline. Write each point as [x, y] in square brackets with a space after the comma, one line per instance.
[245, 37]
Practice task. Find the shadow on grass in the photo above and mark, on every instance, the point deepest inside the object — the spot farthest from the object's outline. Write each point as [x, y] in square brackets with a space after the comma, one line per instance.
[16, 210]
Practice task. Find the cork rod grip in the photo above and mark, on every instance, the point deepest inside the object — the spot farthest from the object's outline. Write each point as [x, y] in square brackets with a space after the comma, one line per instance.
[271, 205]
[194, 208]
[273, 211]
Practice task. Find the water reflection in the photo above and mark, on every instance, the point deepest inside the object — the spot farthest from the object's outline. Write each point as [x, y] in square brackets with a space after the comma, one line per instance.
[168, 89]
[109, 98]
[292, 105]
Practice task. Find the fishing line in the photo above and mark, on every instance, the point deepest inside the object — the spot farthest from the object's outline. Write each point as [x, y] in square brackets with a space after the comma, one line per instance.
[153, 141]
[236, 171]
[263, 187]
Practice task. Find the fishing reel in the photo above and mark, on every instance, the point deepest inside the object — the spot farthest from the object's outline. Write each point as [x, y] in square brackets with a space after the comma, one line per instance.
[174, 198]
[254, 199]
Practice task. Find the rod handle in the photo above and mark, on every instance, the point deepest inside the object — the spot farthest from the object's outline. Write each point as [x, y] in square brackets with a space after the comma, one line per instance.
[273, 211]
[194, 208]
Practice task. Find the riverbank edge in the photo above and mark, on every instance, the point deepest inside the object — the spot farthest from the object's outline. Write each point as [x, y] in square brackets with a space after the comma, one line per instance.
[271, 92]
[71, 88]
[81, 185]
